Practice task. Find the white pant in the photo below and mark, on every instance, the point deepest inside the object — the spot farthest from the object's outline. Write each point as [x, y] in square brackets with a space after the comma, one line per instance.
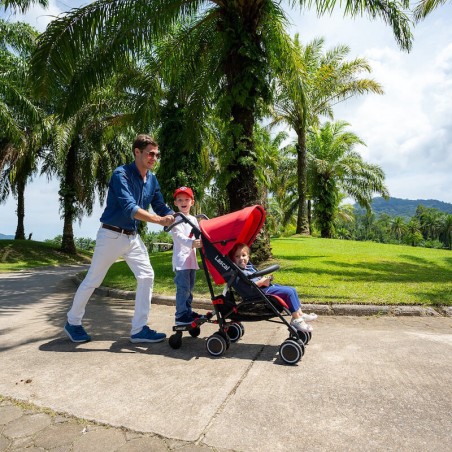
[109, 246]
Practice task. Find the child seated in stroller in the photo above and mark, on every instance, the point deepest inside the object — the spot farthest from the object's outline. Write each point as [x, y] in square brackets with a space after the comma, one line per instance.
[240, 254]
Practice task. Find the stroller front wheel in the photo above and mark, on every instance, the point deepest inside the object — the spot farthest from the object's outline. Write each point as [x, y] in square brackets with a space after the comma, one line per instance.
[235, 331]
[291, 351]
[216, 344]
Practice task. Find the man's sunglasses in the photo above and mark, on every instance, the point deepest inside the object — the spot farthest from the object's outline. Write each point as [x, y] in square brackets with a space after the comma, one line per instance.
[153, 154]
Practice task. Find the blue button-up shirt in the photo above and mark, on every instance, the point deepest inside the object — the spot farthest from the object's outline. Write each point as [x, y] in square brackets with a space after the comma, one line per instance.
[127, 192]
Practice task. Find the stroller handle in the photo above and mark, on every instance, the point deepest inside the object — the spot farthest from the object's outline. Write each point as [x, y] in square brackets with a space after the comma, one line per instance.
[265, 271]
[171, 226]
[183, 219]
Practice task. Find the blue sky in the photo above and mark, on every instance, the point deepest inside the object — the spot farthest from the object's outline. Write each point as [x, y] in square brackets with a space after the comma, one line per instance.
[408, 130]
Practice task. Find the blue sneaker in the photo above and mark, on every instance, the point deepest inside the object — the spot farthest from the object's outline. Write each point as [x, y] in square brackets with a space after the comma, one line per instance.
[76, 333]
[147, 335]
[184, 319]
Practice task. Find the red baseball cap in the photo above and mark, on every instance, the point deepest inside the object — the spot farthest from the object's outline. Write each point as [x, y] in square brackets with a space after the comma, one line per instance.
[184, 190]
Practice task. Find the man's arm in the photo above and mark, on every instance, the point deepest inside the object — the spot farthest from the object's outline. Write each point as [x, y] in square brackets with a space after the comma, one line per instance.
[144, 215]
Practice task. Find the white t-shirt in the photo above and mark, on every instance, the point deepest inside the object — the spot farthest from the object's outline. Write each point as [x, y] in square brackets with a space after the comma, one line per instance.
[184, 256]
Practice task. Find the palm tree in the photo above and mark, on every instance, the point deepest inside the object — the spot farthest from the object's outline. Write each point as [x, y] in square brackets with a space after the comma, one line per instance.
[22, 5]
[447, 230]
[21, 120]
[430, 221]
[334, 167]
[398, 227]
[425, 7]
[233, 48]
[414, 231]
[321, 81]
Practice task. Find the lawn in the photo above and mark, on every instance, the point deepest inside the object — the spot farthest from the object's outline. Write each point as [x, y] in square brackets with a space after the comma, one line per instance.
[335, 271]
[322, 270]
[24, 254]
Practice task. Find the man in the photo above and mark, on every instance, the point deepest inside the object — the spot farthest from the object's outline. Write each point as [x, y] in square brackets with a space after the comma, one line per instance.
[131, 190]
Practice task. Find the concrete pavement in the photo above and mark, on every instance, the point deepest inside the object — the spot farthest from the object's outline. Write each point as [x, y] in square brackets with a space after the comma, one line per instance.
[368, 382]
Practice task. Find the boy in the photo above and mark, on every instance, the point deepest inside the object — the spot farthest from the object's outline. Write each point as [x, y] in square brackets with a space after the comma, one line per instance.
[185, 263]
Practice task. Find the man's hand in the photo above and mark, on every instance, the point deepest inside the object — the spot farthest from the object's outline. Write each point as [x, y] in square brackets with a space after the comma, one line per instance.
[167, 220]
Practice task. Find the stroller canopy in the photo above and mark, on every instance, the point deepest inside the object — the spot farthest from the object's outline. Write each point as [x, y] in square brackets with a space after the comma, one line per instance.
[236, 227]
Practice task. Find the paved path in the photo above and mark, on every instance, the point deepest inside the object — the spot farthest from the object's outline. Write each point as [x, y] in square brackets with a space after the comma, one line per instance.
[376, 383]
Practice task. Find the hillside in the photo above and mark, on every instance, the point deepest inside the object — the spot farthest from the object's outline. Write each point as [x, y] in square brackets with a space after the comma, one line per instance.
[397, 207]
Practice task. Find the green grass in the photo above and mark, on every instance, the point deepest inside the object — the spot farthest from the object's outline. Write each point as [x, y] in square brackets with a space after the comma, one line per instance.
[25, 254]
[334, 271]
[322, 271]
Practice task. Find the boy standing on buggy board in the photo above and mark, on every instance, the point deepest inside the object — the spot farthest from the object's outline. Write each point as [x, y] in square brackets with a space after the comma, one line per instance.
[185, 262]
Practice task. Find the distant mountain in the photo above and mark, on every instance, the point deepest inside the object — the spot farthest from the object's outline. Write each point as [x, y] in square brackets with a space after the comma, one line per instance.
[6, 237]
[406, 208]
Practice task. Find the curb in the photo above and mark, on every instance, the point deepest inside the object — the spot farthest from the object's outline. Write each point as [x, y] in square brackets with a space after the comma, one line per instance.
[320, 309]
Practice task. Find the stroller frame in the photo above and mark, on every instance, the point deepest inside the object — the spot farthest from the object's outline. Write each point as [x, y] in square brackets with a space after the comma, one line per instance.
[228, 314]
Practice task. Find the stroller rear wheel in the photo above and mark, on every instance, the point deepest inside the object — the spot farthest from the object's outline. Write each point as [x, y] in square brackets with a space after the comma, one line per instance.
[216, 344]
[291, 351]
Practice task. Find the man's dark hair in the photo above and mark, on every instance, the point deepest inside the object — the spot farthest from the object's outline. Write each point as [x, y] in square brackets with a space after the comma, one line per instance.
[142, 141]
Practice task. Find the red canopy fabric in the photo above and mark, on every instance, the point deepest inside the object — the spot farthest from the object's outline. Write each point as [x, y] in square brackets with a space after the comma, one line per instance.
[225, 231]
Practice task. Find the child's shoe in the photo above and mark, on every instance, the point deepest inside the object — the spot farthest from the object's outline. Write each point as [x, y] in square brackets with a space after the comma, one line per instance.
[309, 317]
[185, 319]
[195, 315]
[301, 325]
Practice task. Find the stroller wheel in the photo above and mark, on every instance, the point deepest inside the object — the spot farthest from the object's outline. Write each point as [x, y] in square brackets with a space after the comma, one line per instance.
[291, 351]
[234, 331]
[195, 332]
[216, 344]
[175, 341]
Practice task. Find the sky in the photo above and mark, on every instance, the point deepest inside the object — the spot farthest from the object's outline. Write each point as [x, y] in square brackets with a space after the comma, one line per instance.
[407, 131]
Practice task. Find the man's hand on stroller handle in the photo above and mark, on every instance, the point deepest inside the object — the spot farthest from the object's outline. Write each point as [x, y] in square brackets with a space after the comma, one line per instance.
[167, 220]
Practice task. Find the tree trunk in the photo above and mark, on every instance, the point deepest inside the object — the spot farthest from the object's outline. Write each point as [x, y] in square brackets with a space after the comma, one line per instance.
[68, 199]
[302, 217]
[242, 189]
[20, 231]
[247, 88]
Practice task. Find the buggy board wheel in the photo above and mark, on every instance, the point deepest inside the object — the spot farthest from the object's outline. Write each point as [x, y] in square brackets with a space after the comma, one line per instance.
[216, 344]
[303, 336]
[195, 332]
[175, 341]
[290, 351]
[234, 332]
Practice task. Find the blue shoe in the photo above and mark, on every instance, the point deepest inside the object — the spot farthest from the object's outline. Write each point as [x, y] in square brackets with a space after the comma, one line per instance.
[184, 319]
[76, 333]
[147, 335]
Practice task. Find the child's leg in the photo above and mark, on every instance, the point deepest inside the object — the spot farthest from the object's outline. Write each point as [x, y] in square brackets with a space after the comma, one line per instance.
[290, 296]
[191, 276]
[183, 293]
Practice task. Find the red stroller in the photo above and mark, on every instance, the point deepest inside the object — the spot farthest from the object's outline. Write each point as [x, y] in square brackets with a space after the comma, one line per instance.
[241, 299]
